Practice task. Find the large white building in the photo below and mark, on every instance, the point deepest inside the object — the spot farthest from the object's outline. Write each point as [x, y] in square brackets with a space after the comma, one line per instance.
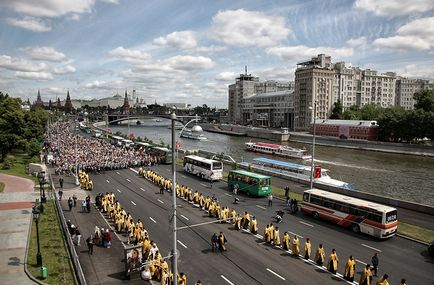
[243, 87]
[406, 88]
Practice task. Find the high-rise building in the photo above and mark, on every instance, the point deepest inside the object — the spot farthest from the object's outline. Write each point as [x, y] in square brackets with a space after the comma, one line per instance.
[314, 81]
[406, 88]
[68, 103]
[243, 87]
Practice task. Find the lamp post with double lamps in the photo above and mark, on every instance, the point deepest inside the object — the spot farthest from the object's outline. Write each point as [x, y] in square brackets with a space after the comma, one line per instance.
[312, 165]
[36, 217]
[174, 252]
[41, 178]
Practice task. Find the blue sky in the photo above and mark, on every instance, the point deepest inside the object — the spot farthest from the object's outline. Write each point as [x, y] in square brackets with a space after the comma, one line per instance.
[189, 51]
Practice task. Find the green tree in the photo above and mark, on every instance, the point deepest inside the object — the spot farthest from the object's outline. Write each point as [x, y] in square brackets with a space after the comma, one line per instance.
[371, 112]
[352, 113]
[424, 100]
[11, 124]
[337, 110]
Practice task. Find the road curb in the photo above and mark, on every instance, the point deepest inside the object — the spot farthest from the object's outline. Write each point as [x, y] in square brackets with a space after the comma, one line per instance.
[412, 239]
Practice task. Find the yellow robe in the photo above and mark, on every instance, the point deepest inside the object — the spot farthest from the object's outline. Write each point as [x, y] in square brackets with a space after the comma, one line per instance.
[295, 246]
[365, 278]
[307, 249]
[350, 268]
[286, 241]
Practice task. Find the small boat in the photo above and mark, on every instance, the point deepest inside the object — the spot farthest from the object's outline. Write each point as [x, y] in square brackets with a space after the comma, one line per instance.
[276, 149]
[300, 171]
[192, 135]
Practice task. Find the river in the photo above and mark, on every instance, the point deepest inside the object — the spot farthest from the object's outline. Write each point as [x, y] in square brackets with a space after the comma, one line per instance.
[404, 177]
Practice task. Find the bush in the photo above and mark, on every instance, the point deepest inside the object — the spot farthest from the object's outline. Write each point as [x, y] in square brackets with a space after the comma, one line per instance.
[9, 162]
[33, 147]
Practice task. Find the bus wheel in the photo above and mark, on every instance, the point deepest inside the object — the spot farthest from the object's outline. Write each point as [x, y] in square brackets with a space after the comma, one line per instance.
[355, 228]
[315, 215]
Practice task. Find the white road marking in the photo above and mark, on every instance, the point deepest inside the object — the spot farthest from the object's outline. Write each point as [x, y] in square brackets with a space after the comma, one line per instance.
[204, 185]
[295, 234]
[142, 189]
[183, 176]
[117, 172]
[306, 224]
[262, 207]
[271, 271]
[376, 249]
[107, 181]
[160, 201]
[133, 170]
[128, 180]
[181, 243]
[133, 203]
[119, 190]
[227, 280]
[359, 261]
[153, 220]
[228, 194]
[185, 217]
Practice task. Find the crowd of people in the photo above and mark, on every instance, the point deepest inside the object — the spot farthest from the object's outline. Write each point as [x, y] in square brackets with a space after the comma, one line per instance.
[91, 155]
[271, 233]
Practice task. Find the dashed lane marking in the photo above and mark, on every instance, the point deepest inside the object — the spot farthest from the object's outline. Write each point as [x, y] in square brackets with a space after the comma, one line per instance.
[181, 243]
[160, 201]
[153, 220]
[185, 217]
[119, 190]
[295, 234]
[107, 181]
[183, 176]
[228, 195]
[306, 224]
[373, 248]
[142, 189]
[203, 184]
[261, 207]
[133, 170]
[132, 202]
[359, 261]
[227, 280]
[128, 180]
[271, 271]
[117, 172]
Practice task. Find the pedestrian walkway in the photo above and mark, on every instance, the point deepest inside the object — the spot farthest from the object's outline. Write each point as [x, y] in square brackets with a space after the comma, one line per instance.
[15, 219]
[105, 265]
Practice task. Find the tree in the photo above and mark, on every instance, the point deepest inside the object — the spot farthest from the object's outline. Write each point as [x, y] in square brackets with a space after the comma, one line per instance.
[11, 124]
[424, 100]
[353, 113]
[371, 112]
[337, 110]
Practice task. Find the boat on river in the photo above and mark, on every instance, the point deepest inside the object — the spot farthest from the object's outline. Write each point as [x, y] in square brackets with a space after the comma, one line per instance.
[192, 135]
[300, 171]
[277, 149]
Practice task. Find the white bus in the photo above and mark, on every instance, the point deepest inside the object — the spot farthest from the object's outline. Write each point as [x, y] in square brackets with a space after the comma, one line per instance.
[205, 168]
[359, 215]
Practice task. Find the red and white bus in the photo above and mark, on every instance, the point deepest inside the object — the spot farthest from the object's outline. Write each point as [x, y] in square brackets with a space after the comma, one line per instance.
[359, 215]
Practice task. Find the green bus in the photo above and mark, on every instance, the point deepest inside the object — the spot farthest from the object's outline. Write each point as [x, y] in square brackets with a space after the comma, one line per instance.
[164, 153]
[251, 183]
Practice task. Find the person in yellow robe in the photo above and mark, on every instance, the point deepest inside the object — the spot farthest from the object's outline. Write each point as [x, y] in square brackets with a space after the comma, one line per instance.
[276, 237]
[350, 269]
[295, 246]
[320, 255]
[307, 248]
[237, 222]
[245, 221]
[332, 264]
[403, 282]
[267, 234]
[221, 241]
[286, 241]
[366, 276]
[383, 280]
[254, 226]
[182, 279]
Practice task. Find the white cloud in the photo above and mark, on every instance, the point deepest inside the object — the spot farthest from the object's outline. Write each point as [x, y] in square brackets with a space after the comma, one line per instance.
[129, 54]
[247, 28]
[395, 7]
[29, 23]
[51, 8]
[189, 63]
[226, 76]
[18, 64]
[32, 75]
[279, 73]
[417, 34]
[211, 49]
[360, 43]
[300, 52]
[44, 53]
[105, 85]
[64, 69]
[417, 71]
[180, 40]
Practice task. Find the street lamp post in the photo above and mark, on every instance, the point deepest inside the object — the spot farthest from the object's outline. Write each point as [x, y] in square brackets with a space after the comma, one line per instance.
[174, 252]
[36, 217]
[41, 178]
[312, 165]
[76, 154]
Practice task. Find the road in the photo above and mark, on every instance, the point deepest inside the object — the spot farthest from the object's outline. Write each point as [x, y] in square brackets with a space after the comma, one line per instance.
[248, 260]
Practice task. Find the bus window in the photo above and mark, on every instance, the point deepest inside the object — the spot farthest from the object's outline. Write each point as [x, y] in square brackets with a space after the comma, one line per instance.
[374, 217]
[217, 165]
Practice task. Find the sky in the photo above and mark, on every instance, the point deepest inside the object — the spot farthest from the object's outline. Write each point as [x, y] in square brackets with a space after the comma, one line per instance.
[189, 51]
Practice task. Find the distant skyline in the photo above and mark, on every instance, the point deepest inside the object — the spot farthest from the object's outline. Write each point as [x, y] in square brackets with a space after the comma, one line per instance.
[190, 51]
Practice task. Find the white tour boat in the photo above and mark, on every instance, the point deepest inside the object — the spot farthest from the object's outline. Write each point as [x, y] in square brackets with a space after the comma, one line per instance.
[192, 135]
[276, 149]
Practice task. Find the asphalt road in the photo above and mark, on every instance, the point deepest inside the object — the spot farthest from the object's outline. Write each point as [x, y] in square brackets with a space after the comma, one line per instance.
[248, 260]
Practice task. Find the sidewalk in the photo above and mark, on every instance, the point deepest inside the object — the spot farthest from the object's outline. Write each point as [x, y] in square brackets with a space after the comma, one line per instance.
[15, 219]
[106, 265]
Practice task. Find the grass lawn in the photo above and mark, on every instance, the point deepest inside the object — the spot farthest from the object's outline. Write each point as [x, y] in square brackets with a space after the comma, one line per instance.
[53, 249]
[416, 232]
[19, 168]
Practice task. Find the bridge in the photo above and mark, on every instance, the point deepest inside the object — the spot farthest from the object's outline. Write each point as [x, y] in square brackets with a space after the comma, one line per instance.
[114, 119]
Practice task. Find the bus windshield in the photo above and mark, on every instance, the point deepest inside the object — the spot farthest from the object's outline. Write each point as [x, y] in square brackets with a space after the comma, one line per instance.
[217, 165]
[391, 216]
